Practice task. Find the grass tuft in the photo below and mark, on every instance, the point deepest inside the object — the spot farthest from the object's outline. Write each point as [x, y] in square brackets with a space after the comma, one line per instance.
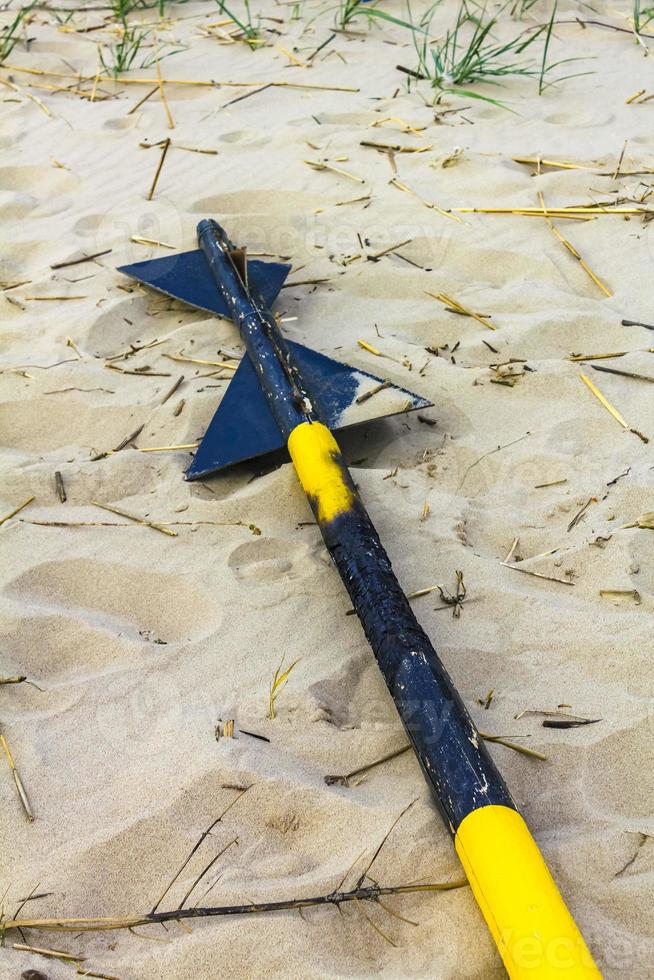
[643, 16]
[249, 32]
[119, 57]
[469, 53]
[10, 34]
[278, 681]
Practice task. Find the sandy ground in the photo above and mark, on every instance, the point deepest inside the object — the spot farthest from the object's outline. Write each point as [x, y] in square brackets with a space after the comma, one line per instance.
[142, 643]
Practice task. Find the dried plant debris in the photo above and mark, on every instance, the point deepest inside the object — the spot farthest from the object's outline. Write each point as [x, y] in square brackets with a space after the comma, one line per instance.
[59, 484]
[20, 789]
[485, 702]
[610, 408]
[580, 513]
[16, 510]
[645, 521]
[360, 892]
[557, 718]
[279, 680]
[509, 373]
[619, 595]
[457, 599]
[357, 775]
[455, 307]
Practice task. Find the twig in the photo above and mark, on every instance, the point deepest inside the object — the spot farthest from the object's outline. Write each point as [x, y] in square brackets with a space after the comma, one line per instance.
[528, 571]
[458, 308]
[124, 442]
[575, 520]
[573, 251]
[345, 780]
[164, 100]
[491, 453]
[373, 391]
[137, 520]
[386, 251]
[369, 893]
[172, 391]
[84, 258]
[59, 484]
[623, 374]
[17, 780]
[636, 323]
[164, 151]
[16, 510]
[167, 449]
[616, 172]
[143, 100]
[247, 95]
[362, 770]
[610, 408]
[205, 870]
[58, 954]
[204, 834]
[522, 749]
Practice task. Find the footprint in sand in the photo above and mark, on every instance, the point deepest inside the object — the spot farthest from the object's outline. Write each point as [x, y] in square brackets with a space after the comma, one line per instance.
[269, 560]
[55, 647]
[575, 120]
[136, 602]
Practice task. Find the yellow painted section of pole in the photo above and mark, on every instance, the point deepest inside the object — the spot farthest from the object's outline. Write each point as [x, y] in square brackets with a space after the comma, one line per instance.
[317, 459]
[535, 933]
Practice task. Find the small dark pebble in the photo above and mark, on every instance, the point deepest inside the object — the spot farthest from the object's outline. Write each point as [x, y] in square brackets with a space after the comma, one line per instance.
[33, 975]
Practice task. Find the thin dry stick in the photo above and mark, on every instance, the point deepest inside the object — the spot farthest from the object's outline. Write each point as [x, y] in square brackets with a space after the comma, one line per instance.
[59, 484]
[364, 874]
[123, 442]
[559, 164]
[58, 954]
[373, 391]
[172, 391]
[428, 204]
[491, 452]
[205, 870]
[182, 81]
[143, 100]
[182, 358]
[137, 520]
[522, 749]
[610, 408]
[16, 510]
[616, 172]
[573, 251]
[448, 301]
[17, 780]
[370, 893]
[548, 212]
[251, 527]
[622, 374]
[28, 95]
[204, 834]
[319, 165]
[167, 449]
[528, 571]
[84, 258]
[344, 780]
[171, 124]
[164, 151]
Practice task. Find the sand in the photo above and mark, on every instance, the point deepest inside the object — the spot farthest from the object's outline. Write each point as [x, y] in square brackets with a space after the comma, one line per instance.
[144, 643]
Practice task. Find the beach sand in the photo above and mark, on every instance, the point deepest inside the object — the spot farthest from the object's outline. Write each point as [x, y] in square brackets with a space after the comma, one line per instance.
[143, 643]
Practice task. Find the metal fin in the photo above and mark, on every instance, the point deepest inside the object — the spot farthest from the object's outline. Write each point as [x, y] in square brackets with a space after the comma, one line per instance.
[244, 428]
[187, 276]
